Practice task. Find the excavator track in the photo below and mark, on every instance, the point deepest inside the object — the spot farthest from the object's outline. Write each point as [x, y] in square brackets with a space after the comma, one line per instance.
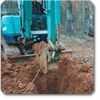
[9, 50]
[13, 53]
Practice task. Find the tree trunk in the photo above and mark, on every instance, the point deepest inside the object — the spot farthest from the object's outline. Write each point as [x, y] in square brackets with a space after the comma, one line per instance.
[76, 17]
[91, 10]
[87, 20]
[70, 23]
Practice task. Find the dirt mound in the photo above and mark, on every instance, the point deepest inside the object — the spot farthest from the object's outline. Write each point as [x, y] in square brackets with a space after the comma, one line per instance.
[16, 77]
[40, 48]
[73, 77]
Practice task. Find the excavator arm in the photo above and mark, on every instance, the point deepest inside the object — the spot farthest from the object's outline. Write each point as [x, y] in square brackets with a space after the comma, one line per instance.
[52, 53]
[25, 12]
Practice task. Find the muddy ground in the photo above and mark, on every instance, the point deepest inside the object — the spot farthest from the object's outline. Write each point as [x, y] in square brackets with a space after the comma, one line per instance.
[73, 76]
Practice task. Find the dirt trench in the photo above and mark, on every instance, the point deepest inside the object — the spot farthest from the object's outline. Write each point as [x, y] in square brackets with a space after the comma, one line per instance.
[73, 77]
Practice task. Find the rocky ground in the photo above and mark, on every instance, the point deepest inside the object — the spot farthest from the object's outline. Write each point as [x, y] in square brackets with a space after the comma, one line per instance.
[73, 76]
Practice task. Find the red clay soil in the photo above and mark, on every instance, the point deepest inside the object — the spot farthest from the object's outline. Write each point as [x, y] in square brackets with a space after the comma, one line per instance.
[40, 48]
[73, 77]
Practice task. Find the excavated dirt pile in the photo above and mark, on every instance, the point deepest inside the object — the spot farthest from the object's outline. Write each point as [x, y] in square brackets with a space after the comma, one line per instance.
[73, 77]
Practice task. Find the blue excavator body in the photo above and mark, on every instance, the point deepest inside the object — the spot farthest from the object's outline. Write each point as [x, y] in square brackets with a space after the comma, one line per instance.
[11, 30]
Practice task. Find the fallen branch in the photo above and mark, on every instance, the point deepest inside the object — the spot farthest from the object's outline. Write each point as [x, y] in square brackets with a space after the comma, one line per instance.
[37, 72]
[36, 75]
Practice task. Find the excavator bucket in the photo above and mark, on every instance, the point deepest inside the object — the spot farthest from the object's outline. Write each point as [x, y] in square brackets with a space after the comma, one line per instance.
[47, 66]
[44, 57]
[51, 66]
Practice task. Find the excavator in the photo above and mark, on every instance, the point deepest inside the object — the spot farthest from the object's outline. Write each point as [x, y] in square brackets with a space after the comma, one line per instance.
[19, 36]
